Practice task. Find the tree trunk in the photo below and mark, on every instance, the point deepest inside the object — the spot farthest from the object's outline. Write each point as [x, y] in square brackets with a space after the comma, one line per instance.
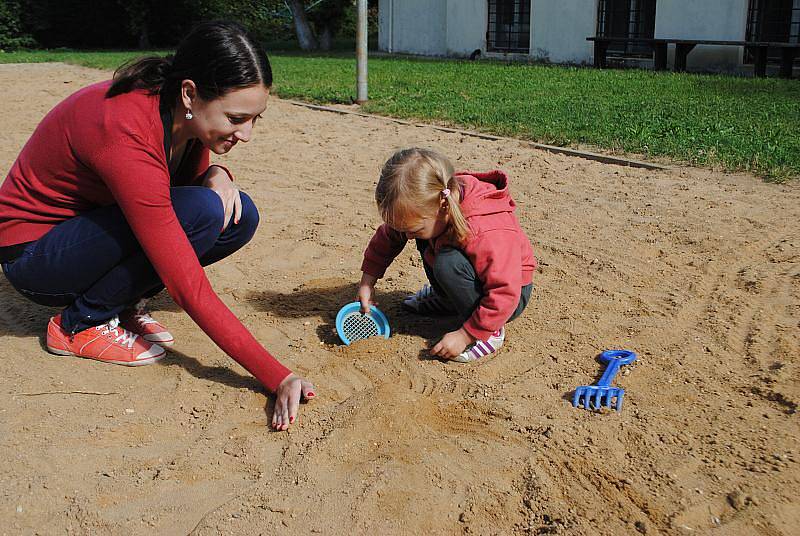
[326, 38]
[305, 35]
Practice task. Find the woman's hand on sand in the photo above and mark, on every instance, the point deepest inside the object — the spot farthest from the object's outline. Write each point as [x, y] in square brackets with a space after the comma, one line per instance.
[452, 344]
[366, 291]
[287, 400]
[218, 180]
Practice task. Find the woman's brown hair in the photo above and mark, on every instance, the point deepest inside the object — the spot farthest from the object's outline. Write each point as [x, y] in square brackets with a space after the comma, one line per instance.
[218, 56]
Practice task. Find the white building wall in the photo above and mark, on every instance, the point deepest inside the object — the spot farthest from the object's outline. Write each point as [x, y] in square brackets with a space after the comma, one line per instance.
[466, 26]
[708, 19]
[385, 38]
[559, 29]
[413, 26]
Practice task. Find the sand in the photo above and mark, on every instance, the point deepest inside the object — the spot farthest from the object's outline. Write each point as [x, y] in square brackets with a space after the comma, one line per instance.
[697, 271]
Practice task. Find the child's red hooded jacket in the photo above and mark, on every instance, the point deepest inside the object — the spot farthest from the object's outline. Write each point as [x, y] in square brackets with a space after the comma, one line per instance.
[497, 248]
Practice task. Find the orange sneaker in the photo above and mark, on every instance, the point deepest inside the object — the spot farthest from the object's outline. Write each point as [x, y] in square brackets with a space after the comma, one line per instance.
[137, 320]
[107, 342]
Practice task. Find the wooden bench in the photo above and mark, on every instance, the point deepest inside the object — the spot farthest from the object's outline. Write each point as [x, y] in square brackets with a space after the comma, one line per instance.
[684, 46]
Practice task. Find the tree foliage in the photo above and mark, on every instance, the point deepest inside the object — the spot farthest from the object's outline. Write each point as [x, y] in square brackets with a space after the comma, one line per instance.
[12, 33]
[318, 22]
[159, 23]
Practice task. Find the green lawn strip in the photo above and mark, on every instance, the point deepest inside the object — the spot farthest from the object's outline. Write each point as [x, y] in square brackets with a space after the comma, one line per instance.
[728, 122]
[108, 60]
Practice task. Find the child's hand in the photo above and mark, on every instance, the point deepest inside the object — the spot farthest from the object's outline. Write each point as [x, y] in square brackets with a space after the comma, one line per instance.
[452, 344]
[366, 289]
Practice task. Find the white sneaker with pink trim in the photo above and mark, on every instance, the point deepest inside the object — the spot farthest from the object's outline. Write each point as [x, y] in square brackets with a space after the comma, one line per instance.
[482, 348]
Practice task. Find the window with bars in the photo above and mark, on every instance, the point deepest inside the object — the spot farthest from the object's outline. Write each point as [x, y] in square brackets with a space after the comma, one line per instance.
[509, 26]
[629, 19]
[772, 20]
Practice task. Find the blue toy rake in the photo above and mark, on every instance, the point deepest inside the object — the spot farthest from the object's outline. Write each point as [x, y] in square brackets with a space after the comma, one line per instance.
[603, 393]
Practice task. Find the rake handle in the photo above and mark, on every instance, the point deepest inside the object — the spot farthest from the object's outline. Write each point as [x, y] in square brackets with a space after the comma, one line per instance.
[608, 375]
[615, 359]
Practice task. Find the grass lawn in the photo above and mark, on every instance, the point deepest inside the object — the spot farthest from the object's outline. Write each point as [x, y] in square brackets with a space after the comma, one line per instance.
[728, 122]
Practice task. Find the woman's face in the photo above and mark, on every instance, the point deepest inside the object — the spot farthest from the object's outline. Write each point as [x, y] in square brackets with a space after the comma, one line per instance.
[223, 122]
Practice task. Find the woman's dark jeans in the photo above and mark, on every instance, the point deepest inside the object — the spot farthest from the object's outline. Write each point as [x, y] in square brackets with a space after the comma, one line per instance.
[93, 265]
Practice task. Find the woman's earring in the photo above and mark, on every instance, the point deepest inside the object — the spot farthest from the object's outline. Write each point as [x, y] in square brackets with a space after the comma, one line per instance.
[189, 114]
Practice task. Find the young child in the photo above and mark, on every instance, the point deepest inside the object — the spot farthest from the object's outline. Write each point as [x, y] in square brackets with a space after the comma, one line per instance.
[476, 256]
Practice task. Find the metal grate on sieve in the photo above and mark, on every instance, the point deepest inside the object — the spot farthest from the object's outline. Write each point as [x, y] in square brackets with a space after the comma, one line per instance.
[351, 325]
[358, 326]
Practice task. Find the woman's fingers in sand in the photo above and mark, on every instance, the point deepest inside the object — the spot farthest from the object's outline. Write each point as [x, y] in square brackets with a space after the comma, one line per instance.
[287, 400]
[307, 390]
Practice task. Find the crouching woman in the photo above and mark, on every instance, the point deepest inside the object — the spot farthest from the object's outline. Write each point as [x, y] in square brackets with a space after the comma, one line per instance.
[113, 198]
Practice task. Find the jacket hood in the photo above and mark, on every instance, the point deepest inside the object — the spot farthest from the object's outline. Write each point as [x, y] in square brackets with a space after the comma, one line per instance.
[484, 193]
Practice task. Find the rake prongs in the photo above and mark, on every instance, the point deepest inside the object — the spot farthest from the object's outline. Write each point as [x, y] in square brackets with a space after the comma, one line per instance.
[577, 396]
[595, 397]
[620, 396]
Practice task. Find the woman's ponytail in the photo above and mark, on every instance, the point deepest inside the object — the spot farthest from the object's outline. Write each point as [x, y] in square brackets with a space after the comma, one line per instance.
[149, 73]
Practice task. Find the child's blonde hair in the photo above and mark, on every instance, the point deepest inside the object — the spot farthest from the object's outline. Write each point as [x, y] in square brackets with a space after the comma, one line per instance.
[413, 183]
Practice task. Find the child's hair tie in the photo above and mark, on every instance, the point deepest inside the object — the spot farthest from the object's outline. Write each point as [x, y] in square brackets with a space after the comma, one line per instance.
[446, 193]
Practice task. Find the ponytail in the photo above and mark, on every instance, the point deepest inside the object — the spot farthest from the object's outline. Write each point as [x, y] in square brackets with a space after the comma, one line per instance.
[459, 228]
[145, 73]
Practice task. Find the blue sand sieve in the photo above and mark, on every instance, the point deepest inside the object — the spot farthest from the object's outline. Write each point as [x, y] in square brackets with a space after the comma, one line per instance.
[353, 326]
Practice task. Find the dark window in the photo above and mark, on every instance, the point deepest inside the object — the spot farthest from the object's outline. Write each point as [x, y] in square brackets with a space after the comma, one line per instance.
[509, 26]
[627, 18]
[773, 20]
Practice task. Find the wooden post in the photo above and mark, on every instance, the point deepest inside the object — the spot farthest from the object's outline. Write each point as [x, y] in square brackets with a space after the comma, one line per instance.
[681, 51]
[787, 61]
[760, 67]
[600, 51]
[660, 56]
